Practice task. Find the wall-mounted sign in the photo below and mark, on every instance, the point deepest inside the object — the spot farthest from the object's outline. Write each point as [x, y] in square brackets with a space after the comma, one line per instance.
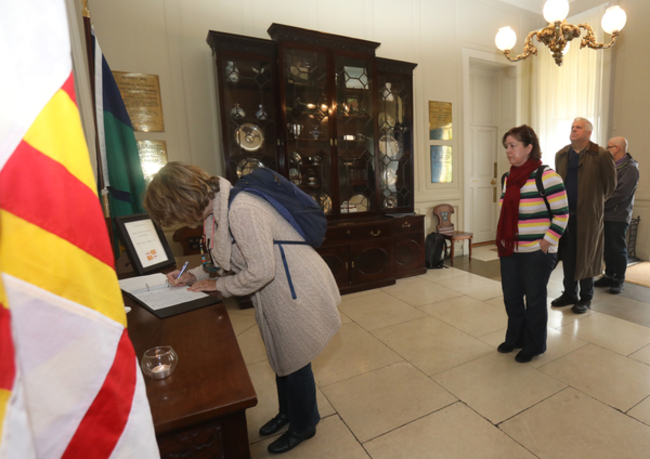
[441, 164]
[153, 156]
[440, 121]
[141, 94]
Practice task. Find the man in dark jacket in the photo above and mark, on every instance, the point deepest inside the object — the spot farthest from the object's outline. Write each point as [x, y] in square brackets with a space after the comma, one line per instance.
[618, 213]
[589, 176]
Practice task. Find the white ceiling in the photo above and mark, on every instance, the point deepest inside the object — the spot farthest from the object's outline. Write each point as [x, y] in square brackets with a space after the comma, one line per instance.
[536, 6]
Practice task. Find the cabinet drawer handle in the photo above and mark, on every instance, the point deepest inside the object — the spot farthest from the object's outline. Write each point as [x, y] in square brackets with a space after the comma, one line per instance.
[353, 265]
[347, 232]
[372, 233]
[346, 265]
[406, 225]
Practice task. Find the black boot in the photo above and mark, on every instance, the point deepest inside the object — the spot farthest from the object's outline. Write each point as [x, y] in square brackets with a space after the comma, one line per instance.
[290, 440]
[604, 282]
[564, 300]
[617, 285]
[274, 425]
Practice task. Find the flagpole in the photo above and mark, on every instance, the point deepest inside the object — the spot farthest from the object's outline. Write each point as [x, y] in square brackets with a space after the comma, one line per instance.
[85, 13]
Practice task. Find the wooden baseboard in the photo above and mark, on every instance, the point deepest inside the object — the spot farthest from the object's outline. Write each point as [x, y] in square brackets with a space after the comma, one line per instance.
[480, 244]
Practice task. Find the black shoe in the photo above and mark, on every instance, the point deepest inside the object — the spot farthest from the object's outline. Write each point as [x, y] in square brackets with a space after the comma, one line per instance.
[290, 440]
[617, 286]
[504, 348]
[581, 307]
[564, 300]
[524, 357]
[274, 425]
[604, 282]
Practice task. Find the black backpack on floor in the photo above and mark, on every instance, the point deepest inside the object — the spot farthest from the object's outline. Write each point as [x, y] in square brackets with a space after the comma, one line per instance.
[435, 250]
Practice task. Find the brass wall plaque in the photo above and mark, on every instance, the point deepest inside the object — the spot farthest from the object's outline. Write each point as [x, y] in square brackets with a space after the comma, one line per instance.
[440, 121]
[141, 94]
[153, 156]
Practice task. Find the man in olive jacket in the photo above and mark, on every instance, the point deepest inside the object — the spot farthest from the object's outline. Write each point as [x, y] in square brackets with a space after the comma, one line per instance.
[589, 175]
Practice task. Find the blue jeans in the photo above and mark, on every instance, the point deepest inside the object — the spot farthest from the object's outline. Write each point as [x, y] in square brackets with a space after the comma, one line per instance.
[297, 399]
[524, 277]
[615, 249]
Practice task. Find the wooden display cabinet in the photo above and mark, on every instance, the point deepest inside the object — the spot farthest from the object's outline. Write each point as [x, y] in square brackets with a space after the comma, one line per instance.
[249, 104]
[339, 124]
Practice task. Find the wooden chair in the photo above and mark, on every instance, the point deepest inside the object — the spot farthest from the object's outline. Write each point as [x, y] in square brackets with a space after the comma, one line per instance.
[190, 239]
[446, 228]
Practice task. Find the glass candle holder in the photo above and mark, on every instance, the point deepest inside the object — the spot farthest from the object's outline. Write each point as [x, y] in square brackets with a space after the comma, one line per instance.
[159, 362]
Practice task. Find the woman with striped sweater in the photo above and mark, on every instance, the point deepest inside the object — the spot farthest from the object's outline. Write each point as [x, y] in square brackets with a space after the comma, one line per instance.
[527, 238]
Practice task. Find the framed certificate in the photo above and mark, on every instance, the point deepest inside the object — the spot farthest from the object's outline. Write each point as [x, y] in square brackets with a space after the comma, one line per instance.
[145, 243]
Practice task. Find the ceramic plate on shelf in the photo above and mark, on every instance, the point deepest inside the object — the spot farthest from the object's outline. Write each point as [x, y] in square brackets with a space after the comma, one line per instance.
[389, 146]
[388, 177]
[386, 119]
[248, 165]
[249, 136]
[390, 202]
[294, 176]
[360, 202]
[396, 107]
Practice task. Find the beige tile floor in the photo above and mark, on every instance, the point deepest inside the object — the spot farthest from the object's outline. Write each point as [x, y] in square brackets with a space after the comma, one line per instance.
[414, 373]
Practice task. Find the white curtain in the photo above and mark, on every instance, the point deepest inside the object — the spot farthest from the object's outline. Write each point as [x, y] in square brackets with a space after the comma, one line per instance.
[579, 88]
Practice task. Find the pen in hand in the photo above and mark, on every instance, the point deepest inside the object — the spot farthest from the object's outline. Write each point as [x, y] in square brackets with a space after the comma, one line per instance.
[182, 270]
[179, 274]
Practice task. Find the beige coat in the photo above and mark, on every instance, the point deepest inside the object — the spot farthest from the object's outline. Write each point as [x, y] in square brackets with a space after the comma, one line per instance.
[294, 331]
[596, 182]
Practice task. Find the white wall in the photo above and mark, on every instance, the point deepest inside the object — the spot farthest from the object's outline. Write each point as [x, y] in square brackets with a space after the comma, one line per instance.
[168, 38]
[631, 105]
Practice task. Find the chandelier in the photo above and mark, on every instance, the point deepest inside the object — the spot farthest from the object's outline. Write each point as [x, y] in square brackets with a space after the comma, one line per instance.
[558, 33]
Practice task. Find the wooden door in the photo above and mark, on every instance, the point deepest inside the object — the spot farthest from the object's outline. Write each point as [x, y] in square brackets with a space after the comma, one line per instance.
[482, 153]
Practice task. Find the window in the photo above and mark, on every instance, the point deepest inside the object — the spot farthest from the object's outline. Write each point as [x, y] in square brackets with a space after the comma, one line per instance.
[579, 88]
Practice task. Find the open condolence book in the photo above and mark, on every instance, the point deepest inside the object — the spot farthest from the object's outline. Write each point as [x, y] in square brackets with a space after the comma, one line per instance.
[154, 293]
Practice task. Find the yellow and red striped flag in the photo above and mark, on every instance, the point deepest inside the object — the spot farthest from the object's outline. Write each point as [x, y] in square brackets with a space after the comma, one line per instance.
[70, 386]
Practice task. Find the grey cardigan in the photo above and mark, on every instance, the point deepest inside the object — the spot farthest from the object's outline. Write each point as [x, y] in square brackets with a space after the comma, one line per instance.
[294, 331]
[619, 206]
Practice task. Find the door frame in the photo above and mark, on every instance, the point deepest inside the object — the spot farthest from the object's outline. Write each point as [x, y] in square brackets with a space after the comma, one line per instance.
[497, 62]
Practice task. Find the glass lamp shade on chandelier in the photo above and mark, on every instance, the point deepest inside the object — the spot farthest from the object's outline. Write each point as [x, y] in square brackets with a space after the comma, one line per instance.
[557, 35]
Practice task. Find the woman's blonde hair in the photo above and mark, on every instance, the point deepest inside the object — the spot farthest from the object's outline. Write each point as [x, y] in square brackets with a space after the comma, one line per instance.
[179, 193]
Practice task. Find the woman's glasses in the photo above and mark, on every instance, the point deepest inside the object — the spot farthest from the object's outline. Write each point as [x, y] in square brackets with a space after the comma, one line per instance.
[210, 265]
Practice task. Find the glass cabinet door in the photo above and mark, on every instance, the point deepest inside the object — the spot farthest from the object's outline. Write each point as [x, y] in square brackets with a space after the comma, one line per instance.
[394, 120]
[249, 109]
[308, 134]
[355, 135]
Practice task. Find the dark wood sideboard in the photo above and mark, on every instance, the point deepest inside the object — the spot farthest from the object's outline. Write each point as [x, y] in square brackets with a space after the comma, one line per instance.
[373, 252]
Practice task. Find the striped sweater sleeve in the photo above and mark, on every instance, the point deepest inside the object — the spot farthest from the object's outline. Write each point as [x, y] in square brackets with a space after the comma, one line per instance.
[557, 198]
[534, 222]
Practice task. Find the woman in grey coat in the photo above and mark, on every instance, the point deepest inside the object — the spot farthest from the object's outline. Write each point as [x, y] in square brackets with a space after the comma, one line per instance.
[240, 243]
